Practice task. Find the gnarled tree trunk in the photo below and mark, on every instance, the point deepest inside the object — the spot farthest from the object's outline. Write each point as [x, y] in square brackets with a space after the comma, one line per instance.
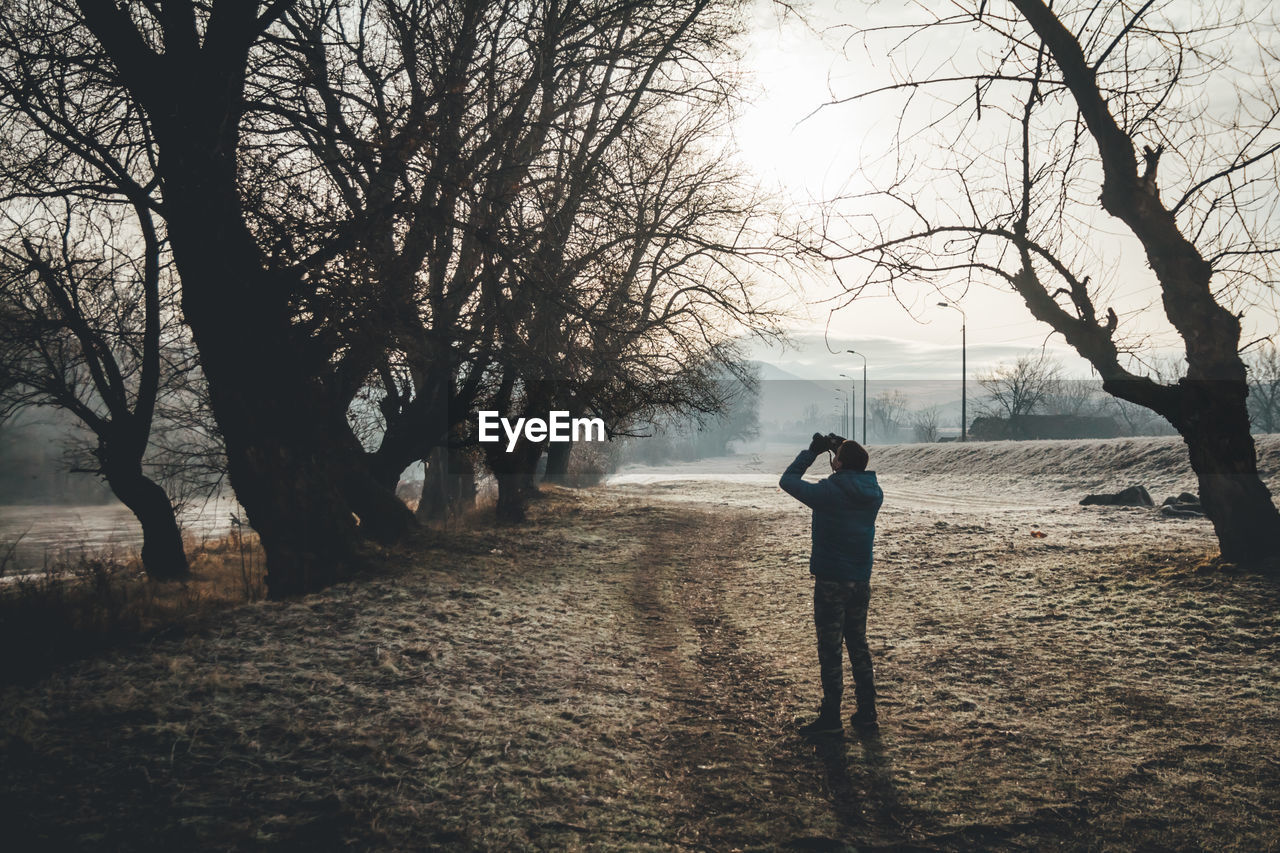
[1223, 455]
[514, 475]
[163, 555]
[529, 470]
[294, 464]
[558, 462]
[1208, 407]
[448, 484]
[433, 503]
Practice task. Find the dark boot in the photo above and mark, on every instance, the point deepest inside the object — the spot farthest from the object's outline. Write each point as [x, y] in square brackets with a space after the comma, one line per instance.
[828, 722]
[865, 719]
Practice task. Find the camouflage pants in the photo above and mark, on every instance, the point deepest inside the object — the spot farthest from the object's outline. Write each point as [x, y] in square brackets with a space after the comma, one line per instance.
[840, 617]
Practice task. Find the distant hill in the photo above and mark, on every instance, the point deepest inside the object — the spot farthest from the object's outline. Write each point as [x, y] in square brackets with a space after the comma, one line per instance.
[786, 398]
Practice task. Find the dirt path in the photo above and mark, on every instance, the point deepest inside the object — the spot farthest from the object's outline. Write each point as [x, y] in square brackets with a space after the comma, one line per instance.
[1084, 689]
[727, 744]
[625, 673]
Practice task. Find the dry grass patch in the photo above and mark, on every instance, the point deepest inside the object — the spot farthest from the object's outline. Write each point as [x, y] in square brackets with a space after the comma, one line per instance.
[623, 672]
[93, 603]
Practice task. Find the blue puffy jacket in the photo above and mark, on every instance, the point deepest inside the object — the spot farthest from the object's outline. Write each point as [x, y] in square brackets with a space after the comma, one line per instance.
[844, 518]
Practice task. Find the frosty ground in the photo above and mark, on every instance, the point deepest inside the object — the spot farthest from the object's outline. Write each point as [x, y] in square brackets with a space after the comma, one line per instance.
[625, 671]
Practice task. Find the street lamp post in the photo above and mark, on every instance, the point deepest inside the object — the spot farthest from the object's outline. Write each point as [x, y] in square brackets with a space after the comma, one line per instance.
[844, 407]
[864, 393]
[853, 404]
[964, 415]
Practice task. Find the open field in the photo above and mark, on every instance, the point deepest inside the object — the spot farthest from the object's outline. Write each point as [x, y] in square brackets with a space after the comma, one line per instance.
[624, 672]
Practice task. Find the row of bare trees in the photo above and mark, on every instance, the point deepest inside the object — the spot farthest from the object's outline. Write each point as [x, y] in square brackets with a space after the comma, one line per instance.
[369, 219]
[1035, 384]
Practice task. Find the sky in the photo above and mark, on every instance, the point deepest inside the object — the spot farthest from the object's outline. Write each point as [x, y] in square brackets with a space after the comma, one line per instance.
[810, 152]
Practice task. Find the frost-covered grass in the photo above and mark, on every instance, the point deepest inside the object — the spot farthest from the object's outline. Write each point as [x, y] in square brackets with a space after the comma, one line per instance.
[624, 672]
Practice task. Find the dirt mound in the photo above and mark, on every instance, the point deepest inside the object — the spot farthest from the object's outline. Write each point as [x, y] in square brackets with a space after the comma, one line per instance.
[1158, 462]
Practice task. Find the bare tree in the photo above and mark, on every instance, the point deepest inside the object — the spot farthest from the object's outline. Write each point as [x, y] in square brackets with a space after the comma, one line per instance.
[402, 199]
[169, 80]
[503, 203]
[659, 281]
[88, 324]
[924, 423]
[888, 411]
[1061, 115]
[1073, 397]
[1018, 389]
[1264, 388]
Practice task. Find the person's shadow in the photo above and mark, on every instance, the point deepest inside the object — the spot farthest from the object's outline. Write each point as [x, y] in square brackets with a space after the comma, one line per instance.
[846, 800]
[868, 794]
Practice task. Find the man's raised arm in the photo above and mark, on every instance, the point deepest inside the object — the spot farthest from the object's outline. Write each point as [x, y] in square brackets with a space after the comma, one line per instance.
[792, 481]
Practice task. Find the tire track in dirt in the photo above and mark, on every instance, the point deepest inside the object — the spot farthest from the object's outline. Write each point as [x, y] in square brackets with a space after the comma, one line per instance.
[745, 779]
[709, 744]
[742, 776]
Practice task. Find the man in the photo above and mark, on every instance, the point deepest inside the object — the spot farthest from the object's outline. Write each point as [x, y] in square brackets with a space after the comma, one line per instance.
[844, 524]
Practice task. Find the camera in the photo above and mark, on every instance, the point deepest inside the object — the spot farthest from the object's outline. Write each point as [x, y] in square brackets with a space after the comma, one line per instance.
[823, 443]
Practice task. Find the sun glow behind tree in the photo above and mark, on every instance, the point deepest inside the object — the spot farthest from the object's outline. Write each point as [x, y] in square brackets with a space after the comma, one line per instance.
[826, 152]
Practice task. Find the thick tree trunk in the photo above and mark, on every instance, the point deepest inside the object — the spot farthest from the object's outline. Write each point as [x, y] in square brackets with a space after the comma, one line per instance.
[514, 474]
[163, 556]
[558, 462]
[448, 485]
[299, 509]
[293, 462]
[529, 470]
[1215, 425]
[511, 498]
[465, 471]
[285, 452]
[433, 504]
